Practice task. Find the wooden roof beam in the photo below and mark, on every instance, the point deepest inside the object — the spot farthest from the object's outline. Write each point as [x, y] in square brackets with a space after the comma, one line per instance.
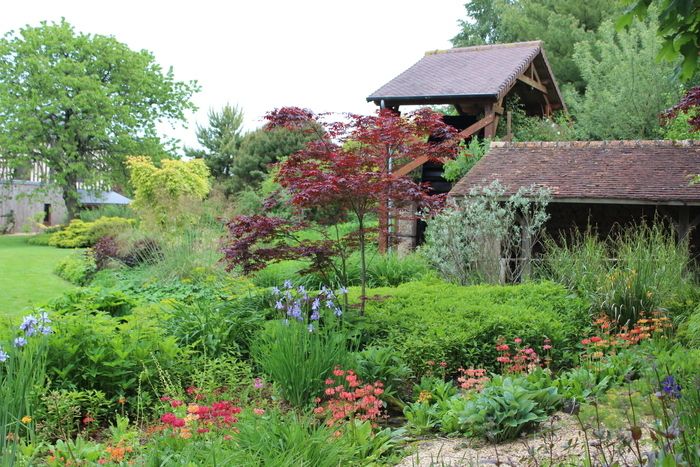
[532, 83]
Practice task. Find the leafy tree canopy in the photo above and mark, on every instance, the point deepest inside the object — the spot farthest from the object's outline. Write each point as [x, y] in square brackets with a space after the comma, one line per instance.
[679, 26]
[220, 140]
[261, 148]
[627, 89]
[159, 192]
[80, 102]
[559, 23]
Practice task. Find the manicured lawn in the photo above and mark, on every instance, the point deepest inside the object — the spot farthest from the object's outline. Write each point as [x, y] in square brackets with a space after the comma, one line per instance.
[26, 275]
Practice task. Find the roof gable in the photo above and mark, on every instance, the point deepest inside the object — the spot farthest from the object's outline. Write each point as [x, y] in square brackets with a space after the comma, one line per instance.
[485, 72]
[649, 172]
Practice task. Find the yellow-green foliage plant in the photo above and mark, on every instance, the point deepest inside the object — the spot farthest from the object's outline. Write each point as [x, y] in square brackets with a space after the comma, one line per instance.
[80, 234]
[165, 196]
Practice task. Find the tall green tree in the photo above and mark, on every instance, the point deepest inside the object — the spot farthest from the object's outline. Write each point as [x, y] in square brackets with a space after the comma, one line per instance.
[679, 26]
[261, 148]
[627, 89]
[558, 23]
[80, 103]
[220, 140]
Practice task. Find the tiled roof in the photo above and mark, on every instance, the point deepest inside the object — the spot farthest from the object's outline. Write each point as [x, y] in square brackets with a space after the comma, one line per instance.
[486, 71]
[654, 172]
[102, 197]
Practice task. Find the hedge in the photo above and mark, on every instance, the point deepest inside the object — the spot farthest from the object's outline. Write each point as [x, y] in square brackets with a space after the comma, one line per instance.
[434, 320]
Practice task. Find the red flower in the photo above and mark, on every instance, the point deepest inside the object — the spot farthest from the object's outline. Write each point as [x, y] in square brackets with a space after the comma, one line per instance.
[178, 422]
[175, 403]
[596, 339]
[586, 341]
[443, 364]
[168, 418]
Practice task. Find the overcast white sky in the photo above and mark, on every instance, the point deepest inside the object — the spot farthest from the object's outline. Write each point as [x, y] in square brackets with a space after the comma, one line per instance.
[322, 54]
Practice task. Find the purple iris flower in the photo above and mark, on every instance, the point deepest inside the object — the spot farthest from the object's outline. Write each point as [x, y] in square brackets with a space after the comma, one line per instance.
[20, 342]
[670, 387]
[28, 325]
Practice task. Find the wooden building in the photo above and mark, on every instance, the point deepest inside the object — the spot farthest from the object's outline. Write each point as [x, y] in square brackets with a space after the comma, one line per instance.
[476, 81]
[602, 183]
[27, 201]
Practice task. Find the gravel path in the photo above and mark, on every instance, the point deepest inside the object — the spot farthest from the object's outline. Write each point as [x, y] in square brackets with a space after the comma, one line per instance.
[559, 441]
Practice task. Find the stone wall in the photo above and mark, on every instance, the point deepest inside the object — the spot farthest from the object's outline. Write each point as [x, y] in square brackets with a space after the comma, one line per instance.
[25, 205]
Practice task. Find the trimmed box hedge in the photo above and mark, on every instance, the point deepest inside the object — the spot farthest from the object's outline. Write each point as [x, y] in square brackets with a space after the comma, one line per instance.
[434, 320]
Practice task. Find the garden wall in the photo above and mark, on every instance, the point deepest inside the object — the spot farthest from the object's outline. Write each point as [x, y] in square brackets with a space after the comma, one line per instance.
[24, 203]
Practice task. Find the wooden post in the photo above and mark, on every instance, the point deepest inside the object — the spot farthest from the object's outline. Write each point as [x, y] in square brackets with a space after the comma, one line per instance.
[525, 250]
[490, 113]
[509, 126]
[683, 225]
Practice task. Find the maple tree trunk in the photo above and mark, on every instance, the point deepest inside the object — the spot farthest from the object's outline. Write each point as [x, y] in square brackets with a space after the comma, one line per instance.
[363, 266]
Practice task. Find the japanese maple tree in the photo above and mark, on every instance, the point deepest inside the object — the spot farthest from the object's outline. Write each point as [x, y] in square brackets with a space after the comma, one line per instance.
[346, 171]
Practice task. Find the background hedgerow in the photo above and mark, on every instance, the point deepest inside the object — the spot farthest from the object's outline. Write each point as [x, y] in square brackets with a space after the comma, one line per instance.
[637, 269]
[433, 320]
[80, 234]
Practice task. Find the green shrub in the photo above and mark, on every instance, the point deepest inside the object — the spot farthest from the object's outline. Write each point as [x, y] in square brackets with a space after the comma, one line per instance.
[291, 440]
[505, 408]
[689, 331]
[650, 270]
[87, 300]
[433, 320]
[92, 350]
[79, 234]
[61, 412]
[76, 268]
[386, 270]
[42, 238]
[580, 263]
[275, 439]
[299, 360]
[582, 384]
[214, 328]
[383, 364]
[108, 210]
[23, 364]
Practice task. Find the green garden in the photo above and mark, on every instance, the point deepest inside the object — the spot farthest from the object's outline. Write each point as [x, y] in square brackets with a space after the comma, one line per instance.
[243, 310]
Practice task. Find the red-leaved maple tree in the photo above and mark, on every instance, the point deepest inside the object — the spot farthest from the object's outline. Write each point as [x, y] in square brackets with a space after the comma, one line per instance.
[345, 171]
[691, 101]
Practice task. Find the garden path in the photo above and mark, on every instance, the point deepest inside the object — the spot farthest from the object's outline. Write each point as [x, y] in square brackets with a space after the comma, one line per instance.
[559, 441]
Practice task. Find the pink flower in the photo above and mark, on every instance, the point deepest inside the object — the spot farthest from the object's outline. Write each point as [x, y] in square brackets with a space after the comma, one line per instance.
[175, 403]
[259, 411]
[168, 418]
[517, 340]
[178, 422]
[258, 383]
[547, 347]
[443, 364]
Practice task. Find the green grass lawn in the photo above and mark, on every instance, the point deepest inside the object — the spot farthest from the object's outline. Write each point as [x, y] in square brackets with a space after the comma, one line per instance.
[26, 275]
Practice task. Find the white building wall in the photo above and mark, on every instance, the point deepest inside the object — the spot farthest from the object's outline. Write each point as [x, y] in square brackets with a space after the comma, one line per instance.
[23, 203]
